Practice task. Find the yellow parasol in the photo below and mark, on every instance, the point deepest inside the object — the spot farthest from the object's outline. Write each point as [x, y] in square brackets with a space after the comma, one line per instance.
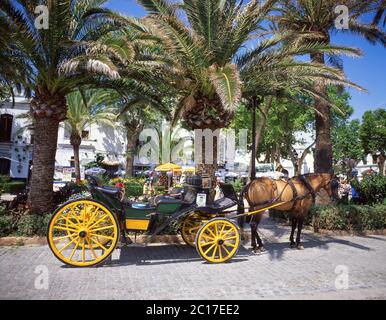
[189, 170]
[168, 167]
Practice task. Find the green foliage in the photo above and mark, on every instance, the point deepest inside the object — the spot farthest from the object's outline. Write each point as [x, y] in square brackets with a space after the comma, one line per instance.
[5, 223]
[350, 217]
[237, 185]
[372, 189]
[4, 179]
[133, 186]
[33, 225]
[19, 223]
[12, 187]
[346, 143]
[373, 131]
[97, 163]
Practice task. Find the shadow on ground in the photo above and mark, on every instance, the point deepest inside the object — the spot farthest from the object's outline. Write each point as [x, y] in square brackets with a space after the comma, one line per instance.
[275, 237]
[165, 254]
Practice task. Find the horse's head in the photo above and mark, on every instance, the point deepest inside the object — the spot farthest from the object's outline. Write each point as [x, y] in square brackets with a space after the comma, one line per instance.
[330, 184]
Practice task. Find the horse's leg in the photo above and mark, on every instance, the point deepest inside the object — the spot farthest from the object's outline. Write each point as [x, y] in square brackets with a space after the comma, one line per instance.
[300, 226]
[260, 247]
[293, 227]
[253, 226]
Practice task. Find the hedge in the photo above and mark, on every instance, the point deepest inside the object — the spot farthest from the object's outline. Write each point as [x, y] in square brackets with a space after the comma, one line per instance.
[17, 223]
[350, 217]
[342, 217]
[12, 187]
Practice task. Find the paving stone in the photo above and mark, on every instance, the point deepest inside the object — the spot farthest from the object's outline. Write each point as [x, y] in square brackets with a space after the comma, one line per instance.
[173, 271]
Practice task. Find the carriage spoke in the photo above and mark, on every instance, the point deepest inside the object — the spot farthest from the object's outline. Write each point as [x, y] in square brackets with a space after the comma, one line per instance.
[219, 250]
[229, 244]
[214, 252]
[92, 249]
[67, 245]
[64, 237]
[230, 238]
[83, 251]
[100, 220]
[98, 244]
[224, 247]
[102, 228]
[92, 218]
[74, 250]
[210, 248]
[65, 228]
[101, 235]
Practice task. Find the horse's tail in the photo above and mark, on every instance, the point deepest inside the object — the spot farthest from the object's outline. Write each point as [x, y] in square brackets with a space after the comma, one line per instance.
[240, 206]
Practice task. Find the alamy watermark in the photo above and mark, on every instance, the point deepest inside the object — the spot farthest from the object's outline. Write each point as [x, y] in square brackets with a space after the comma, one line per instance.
[42, 279]
[200, 146]
[342, 20]
[342, 278]
[41, 21]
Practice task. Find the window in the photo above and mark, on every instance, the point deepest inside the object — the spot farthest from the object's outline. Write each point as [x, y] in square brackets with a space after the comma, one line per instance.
[85, 134]
[5, 127]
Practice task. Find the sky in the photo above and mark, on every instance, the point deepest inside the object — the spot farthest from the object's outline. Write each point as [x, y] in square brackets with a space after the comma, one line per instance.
[368, 71]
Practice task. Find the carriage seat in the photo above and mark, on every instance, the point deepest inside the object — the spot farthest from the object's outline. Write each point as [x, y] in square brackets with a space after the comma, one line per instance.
[218, 205]
[109, 190]
[227, 201]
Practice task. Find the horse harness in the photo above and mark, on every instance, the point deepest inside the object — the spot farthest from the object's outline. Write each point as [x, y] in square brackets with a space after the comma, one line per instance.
[296, 196]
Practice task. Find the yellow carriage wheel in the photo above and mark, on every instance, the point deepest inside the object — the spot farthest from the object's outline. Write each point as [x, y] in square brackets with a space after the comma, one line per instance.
[189, 228]
[82, 233]
[218, 240]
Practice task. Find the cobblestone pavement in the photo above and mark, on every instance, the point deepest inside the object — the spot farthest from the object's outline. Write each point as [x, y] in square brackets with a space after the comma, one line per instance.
[176, 271]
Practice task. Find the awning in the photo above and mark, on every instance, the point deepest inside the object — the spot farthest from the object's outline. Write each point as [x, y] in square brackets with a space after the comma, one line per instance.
[168, 167]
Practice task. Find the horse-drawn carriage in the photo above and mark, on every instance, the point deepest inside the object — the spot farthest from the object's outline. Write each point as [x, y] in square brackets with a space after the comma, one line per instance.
[84, 232]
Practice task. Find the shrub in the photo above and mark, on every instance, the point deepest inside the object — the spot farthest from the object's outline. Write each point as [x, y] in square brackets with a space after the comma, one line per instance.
[350, 217]
[4, 179]
[372, 189]
[5, 225]
[12, 187]
[133, 186]
[33, 225]
[67, 191]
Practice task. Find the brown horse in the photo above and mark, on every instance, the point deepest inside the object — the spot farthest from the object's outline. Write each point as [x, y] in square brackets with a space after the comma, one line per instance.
[298, 195]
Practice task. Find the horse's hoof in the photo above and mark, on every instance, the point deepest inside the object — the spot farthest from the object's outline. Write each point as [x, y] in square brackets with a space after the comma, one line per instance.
[300, 246]
[292, 245]
[260, 250]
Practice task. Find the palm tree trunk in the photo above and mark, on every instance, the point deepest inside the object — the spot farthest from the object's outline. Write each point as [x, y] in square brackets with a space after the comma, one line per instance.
[75, 141]
[260, 128]
[132, 137]
[47, 111]
[209, 170]
[381, 164]
[323, 146]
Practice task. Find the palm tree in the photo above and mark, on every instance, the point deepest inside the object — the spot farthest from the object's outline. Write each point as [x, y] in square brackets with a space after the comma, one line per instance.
[380, 13]
[83, 110]
[73, 26]
[318, 17]
[202, 50]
